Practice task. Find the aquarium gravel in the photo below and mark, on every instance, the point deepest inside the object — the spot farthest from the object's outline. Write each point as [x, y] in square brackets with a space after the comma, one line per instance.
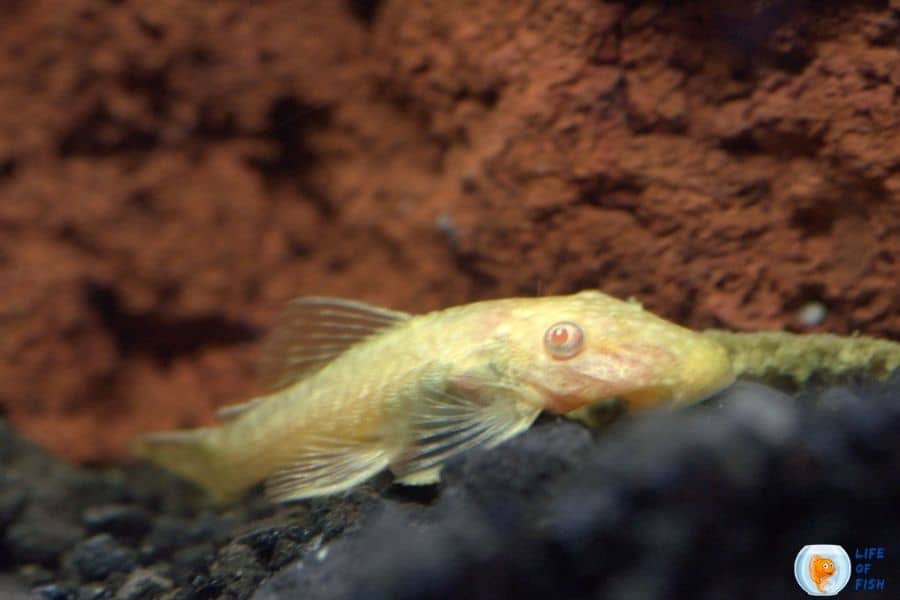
[709, 502]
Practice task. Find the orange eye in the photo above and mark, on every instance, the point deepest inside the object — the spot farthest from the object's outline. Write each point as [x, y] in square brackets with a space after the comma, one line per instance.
[564, 340]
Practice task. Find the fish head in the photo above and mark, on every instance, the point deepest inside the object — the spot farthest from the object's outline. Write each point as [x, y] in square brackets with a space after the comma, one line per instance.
[824, 566]
[589, 347]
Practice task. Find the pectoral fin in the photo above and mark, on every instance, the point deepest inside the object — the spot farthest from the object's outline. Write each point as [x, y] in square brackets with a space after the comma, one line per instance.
[325, 466]
[452, 415]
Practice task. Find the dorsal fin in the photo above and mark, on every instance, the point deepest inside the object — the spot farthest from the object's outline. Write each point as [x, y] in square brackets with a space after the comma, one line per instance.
[314, 330]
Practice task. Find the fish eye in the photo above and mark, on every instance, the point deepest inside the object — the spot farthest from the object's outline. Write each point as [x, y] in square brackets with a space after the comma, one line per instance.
[564, 340]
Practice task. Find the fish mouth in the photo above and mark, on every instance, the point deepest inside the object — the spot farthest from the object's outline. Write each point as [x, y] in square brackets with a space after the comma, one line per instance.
[571, 388]
[636, 399]
[582, 390]
[562, 403]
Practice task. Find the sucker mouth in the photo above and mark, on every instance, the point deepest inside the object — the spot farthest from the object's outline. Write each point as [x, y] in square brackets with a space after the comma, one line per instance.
[557, 403]
[578, 397]
[648, 397]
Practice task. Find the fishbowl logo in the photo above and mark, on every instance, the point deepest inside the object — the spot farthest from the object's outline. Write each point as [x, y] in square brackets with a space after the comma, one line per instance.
[822, 569]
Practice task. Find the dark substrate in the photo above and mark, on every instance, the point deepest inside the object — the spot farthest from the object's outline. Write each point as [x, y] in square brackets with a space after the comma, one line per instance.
[710, 502]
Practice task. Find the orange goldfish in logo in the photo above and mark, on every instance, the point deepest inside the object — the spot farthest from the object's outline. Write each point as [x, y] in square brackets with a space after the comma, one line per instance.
[820, 569]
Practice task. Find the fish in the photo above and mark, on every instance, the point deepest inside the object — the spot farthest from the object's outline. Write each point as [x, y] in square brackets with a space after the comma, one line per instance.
[352, 389]
[820, 569]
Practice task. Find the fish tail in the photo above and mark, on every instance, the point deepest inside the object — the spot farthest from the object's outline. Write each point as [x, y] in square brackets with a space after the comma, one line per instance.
[194, 455]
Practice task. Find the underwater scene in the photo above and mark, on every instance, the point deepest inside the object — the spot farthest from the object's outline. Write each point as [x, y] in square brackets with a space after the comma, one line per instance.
[383, 299]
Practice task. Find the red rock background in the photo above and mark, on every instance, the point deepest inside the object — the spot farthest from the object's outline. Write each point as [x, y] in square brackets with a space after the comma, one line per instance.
[172, 171]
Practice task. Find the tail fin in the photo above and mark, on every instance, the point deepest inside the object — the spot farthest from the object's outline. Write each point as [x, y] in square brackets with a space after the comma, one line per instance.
[194, 456]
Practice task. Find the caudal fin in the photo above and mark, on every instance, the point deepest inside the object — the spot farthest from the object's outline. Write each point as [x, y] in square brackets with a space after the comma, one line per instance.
[194, 456]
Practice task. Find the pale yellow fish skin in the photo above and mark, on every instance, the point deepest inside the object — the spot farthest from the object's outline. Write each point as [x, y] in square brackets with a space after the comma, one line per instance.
[363, 395]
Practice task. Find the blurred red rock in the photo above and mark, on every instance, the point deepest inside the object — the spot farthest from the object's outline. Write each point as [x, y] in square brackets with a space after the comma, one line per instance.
[172, 172]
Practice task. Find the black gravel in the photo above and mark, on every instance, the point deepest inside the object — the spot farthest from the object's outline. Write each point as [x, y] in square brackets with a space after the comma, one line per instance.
[710, 502]
[139, 533]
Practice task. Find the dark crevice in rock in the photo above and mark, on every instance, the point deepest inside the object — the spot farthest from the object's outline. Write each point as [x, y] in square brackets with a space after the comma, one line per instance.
[8, 167]
[160, 336]
[153, 84]
[291, 123]
[291, 120]
[478, 273]
[816, 220]
[152, 30]
[742, 144]
[100, 134]
[214, 123]
[608, 192]
[364, 10]
[793, 60]
[804, 140]
[754, 192]
[752, 27]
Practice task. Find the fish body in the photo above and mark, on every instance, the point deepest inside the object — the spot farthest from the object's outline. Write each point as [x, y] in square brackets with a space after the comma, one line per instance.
[820, 569]
[355, 389]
